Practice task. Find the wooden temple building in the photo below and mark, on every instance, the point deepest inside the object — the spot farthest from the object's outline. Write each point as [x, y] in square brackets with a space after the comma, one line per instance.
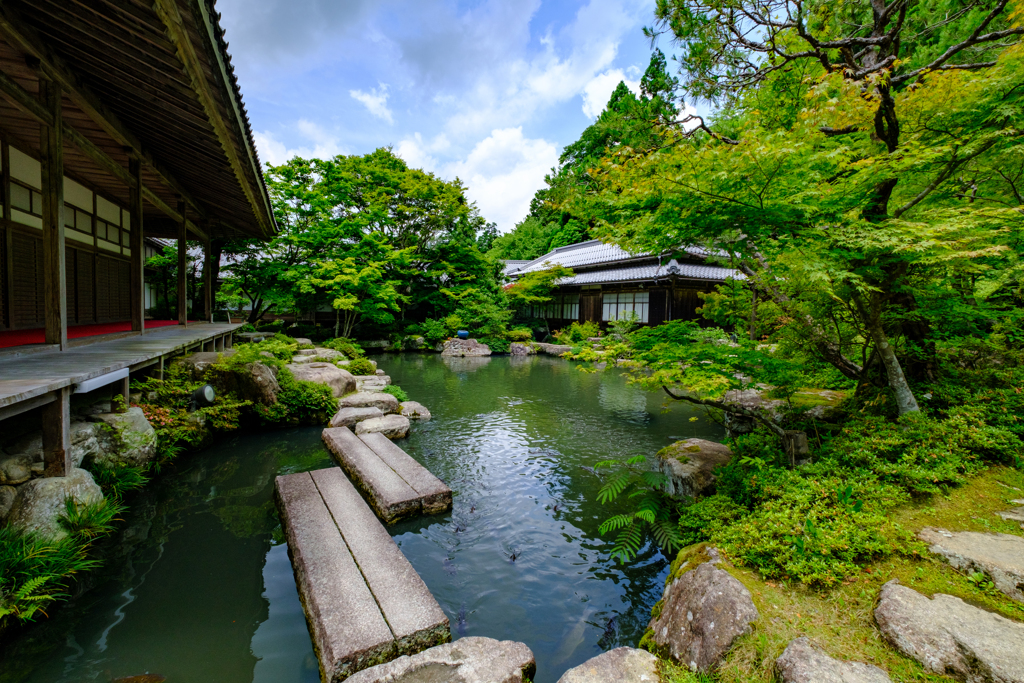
[120, 120]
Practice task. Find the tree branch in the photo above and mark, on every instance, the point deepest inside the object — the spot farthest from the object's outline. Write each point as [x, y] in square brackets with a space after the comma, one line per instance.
[729, 408]
[942, 177]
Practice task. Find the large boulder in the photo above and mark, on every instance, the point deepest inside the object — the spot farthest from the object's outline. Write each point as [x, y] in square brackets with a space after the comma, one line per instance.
[391, 426]
[90, 441]
[254, 382]
[196, 364]
[467, 660]
[7, 496]
[16, 469]
[704, 610]
[622, 665]
[40, 503]
[340, 381]
[804, 663]
[950, 637]
[125, 438]
[554, 349]
[1000, 556]
[414, 410]
[302, 341]
[522, 349]
[751, 399]
[465, 347]
[369, 399]
[326, 354]
[689, 465]
[346, 417]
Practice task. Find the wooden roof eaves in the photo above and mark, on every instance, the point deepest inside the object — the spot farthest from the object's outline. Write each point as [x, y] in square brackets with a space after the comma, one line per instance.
[170, 14]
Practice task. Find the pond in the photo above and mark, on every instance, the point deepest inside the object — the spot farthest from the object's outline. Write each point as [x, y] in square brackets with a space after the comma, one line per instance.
[198, 586]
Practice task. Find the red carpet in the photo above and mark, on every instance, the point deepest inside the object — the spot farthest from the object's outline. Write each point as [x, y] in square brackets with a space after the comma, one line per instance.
[37, 336]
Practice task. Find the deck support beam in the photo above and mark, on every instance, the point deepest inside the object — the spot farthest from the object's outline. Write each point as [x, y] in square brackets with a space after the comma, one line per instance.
[207, 282]
[57, 434]
[182, 264]
[137, 257]
[54, 268]
[121, 390]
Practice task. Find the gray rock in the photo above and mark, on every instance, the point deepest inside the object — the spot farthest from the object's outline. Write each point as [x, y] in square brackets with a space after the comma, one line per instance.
[414, 410]
[327, 354]
[304, 360]
[688, 465]
[346, 417]
[703, 612]
[1014, 515]
[7, 495]
[467, 660]
[554, 349]
[16, 469]
[465, 347]
[366, 399]
[623, 665]
[254, 382]
[302, 341]
[391, 426]
[378, 377]
[1001, 556]
[950, 637]
[196, 364]
[40, 503]
[804, 663]
[306, 352]
[129, 439]
[340, 381]
[522, 349]
[751, 399]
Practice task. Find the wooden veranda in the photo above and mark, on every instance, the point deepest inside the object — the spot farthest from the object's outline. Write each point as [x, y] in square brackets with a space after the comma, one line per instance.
[118, 119]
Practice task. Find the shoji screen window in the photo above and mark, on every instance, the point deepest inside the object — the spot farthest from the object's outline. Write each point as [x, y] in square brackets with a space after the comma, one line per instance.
[619, 305]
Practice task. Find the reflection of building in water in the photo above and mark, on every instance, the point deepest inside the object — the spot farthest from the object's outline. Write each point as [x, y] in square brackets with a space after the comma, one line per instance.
[465, 363]
[624, 400]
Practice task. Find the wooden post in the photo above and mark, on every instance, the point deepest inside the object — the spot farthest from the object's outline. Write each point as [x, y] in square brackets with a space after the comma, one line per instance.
[51, 148]
[207, 282]
[138, 256]
[121, 390]
[8, 234]
[57, 434]
[182, 263]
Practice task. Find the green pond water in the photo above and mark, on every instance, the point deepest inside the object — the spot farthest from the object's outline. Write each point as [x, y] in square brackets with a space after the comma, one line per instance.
[197, 586]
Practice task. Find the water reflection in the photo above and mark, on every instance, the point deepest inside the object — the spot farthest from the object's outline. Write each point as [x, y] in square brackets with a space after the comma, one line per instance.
[198, 586]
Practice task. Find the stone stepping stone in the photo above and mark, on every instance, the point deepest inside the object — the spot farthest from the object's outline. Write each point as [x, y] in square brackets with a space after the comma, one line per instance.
[948, 636]
[371, 399]
[704, 611]
[346, 417]
[390, 495]
[802, 662]
[1016, 514]
[391, 426]
[467, 660]
[364, 602]
[623, 665]
[414, 410]
[1000, 556]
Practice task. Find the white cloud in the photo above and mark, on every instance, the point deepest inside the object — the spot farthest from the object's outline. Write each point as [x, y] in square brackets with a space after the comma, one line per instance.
[599, 90]
[320, 144]
[376, 101]
[501, 173]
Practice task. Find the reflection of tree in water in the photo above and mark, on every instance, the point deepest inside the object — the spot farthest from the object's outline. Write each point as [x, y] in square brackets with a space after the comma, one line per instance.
[625, 401]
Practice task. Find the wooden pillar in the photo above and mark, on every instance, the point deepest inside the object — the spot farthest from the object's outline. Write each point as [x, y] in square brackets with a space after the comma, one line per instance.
[57, 434]
[7, 287]
[121, 390]
[182, 264]
[138, 256]
[51, 148]
[207, 282]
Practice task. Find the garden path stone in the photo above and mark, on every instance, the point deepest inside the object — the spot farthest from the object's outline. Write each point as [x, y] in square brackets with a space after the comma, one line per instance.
[1016, 514]
[703, 612]
[802, 662]
[40, 503]
[950, 637]
[346, 417]
[467, 660]
[391, 426]
[414, 410]
[435, 496]
[389, 495]
[688, 464]
[340, 381]
[623, 665]
[1000, 556]
[365, 399]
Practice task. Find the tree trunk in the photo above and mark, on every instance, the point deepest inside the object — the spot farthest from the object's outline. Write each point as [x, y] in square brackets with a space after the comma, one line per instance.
[871, 317]
[753, 313]
[337, 320]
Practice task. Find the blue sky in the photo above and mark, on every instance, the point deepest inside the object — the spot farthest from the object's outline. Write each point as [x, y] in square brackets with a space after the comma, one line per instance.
[489, 91]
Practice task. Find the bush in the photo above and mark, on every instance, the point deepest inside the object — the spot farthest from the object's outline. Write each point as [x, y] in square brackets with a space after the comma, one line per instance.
[577, 332]
[361, 366]
[347, 347]
[703, 518]
[116, 480]
[496, 345]
[519, 334]
[435, 331]
[397, 392]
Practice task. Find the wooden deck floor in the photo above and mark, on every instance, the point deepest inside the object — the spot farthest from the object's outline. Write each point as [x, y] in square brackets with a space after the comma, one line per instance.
[27, 376]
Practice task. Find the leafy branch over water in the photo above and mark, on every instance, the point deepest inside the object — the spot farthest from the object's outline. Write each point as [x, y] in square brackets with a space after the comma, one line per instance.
[652, 513]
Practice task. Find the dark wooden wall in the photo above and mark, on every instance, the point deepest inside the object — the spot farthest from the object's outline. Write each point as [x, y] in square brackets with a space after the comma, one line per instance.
[97, 283]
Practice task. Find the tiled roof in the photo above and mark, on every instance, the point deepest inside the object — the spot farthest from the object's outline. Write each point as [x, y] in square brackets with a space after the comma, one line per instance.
[512, 265]
[590, 253]
[651, 272]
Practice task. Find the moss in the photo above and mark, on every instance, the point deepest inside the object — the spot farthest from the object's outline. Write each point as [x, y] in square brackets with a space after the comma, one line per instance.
[809, 398]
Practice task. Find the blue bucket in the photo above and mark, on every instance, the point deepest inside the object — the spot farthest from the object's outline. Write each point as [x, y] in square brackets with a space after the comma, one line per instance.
[463, 334]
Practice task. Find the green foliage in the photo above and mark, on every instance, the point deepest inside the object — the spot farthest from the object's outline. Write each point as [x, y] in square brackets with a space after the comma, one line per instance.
[349, 348]
[361, 366]
[496, 345]
[91, 520]
[519, 334]
[299, 401]
[397, 392]
[116, 480]
[706, 517]
[435, 331]
[536, 287]
[577, 333]
[651, 512]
